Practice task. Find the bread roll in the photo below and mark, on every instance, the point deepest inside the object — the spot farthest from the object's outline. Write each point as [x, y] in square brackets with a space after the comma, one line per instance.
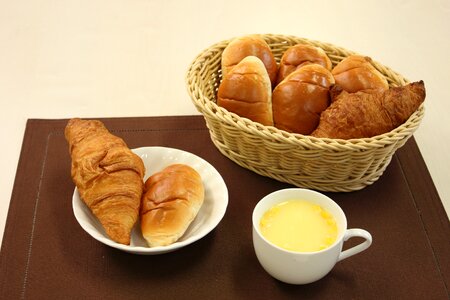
[108, 175]
[300, 98]
[251, 45]
[299, 55]
[246, 90]
[356, 73]
[361, 115]
[170, 203]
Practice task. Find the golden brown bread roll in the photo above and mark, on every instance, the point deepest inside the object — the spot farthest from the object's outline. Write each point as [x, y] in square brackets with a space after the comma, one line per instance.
[252, 45]
[170, 203]
[356, 73]
[300, 98]
[360, 115]
[246, 90]
[108, 175]
[299, 55]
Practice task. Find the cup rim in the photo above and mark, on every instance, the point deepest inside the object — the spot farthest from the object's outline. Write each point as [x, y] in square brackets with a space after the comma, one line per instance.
[339, 238]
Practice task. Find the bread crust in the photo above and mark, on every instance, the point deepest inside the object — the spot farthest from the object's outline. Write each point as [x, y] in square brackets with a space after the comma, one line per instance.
[300, 98]
[246, 91]
[251, 45]
[299, 55]
[361, 115]
[108, 175]
[171, 201]
[356, 73]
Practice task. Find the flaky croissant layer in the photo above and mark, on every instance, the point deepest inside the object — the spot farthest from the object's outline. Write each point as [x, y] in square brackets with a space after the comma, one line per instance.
[108, 175]
[361, 115]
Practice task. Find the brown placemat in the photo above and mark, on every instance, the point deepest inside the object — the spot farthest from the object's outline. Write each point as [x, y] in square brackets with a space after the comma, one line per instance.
[45, 254]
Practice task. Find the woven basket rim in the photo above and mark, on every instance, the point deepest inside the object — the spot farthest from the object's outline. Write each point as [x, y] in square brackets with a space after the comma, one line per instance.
[207, 106]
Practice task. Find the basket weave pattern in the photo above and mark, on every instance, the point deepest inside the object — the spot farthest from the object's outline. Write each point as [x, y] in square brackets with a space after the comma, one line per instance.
[317, 163]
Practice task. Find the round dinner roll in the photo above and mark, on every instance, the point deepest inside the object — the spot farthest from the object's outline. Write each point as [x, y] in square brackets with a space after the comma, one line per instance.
[171, 200]
[300, 98]
[299, 55]
[246, 91]
[356, 73]
[251, 45]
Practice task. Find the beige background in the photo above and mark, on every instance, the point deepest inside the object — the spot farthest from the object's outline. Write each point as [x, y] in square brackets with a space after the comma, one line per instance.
[115, 58]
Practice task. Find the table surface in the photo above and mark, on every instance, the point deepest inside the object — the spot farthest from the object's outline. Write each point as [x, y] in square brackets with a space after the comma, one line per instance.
[117, 58]
[46, 254]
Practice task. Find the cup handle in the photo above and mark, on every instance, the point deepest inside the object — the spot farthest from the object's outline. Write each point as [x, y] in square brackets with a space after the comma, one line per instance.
[355, 232]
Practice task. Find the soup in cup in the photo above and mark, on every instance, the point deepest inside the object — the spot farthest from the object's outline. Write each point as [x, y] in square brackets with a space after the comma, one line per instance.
[298, 235]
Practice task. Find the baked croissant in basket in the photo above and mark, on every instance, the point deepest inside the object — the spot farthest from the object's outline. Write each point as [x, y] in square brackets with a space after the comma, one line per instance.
[361, 115]
[108, 175]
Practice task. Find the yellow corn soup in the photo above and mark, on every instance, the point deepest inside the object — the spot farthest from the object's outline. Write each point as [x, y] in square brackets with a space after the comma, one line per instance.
[299, 225]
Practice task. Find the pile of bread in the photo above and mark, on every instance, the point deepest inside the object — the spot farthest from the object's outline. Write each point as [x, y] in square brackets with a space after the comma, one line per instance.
[306, 94]
[109, 178]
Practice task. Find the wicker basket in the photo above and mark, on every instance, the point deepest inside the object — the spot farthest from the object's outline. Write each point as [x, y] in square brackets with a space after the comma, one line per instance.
[317, 163]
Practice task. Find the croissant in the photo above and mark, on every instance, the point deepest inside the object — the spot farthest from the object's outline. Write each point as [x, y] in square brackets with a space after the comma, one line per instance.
[108, 175]
[360, 115]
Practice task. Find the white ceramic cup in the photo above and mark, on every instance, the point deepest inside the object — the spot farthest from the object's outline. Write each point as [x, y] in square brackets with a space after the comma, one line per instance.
[303, 267]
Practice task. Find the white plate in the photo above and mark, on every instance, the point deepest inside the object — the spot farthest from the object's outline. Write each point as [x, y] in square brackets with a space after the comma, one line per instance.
[155, 159]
